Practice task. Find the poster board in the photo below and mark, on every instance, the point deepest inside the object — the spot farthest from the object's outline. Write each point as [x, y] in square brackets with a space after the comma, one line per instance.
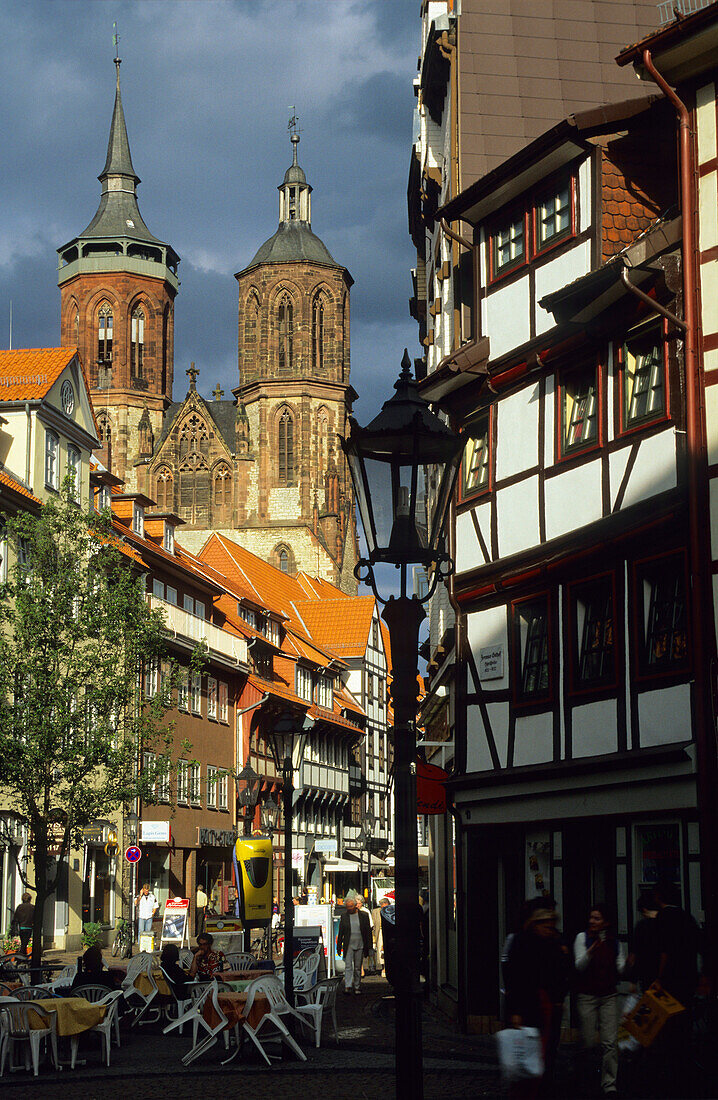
[174, 922]
[313, 916]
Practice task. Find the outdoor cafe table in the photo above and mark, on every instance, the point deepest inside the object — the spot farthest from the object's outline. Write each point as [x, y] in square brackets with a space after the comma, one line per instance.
[74, 1014]
[242, 975]
[232, 1004]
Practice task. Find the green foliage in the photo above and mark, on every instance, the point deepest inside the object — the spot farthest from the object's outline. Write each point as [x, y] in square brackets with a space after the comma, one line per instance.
[91, 934]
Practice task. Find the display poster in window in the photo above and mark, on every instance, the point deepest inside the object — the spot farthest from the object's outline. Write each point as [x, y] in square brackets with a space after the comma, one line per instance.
[658, 854]
[316, 921]
[174, 922]
[538, 869]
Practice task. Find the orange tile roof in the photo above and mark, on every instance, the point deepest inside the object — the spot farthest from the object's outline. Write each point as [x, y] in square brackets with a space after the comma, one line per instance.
[278, 688]
[29, 373]
[332, 623]
[334, 719]
[17, 486]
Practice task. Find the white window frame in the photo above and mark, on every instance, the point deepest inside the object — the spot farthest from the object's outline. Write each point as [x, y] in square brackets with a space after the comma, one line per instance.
[200, 609]
[305, 683]
[195, 784]
[158, 589]
[223, 793]
[169, 538]
[152, 670]
[188, 604]
[196, 693]
[212, 697]
[74, 467]
[183, 690]
[163, 782]
[212, 787]
[171, 595]
[182, 781]
[148, 759]
[223, 702]
[52, 467]
[138, 519]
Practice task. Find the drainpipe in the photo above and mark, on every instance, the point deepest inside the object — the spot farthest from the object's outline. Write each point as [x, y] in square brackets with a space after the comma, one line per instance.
[698, 509]
[27, 444]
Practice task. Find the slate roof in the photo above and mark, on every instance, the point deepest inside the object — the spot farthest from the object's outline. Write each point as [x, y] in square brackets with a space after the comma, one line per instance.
[223, 413]
[293, 241]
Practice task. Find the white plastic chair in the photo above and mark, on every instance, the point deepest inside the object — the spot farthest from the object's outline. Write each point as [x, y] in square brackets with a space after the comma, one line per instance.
[323, 1001]
[210, 992]
[15, 1028]
[183, 1004]
[140, 964]
[64, 979]
[111, 1001]
[99, 994]
[279, 1006]
[186, 957]
[197, 991]
[240, 960]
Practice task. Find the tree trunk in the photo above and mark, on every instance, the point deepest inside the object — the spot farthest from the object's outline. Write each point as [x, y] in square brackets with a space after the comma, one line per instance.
[41, 895]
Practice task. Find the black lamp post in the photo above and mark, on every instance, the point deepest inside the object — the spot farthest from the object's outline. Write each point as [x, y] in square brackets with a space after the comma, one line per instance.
[132, 828]
[404, 466]
[247, 783]
[286, 739]
[367, 832]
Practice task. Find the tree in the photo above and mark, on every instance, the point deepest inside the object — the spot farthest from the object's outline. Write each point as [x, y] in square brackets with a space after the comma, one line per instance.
[76, 636]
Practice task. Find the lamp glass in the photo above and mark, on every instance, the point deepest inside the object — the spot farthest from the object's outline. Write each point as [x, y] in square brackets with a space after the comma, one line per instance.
[248, 784]
[269, 815]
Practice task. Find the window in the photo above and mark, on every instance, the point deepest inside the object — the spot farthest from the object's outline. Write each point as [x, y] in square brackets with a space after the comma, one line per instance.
[163, 490]
[200, 609]
[508, 244]
[222, 487]
[553, 216]
[196, 693]
[370, 687]
[171, 595]
[24, 560]
[531, 648]
[324, 692]
[103, 498]
[475, 463]
[662, 615]
[3, 552]
[318, 333]
[137, 342]
[183, 690]
[211, 788]
[284, 560]
[305, 683]
[169, 538]
[138, 519]
[74, 469]
[223, 702]
[52, 443]
[182, 781]
[152, 670]
[643, 376]
[163, 781]
[158, 589]
[285, 328]
[211, 697]
[592, 608]
[104, 334]
[285, 448]
[579, 411]
[195, 784]
[222, 792]
[148, 764]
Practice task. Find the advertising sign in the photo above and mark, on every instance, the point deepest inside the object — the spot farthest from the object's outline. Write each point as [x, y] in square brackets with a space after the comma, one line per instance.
[253, 868]
[327, 844]
[174, 921]
[156, 832]
[308, 917]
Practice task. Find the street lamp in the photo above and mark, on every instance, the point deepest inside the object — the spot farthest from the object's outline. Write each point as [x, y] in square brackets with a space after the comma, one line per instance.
[247, 783]
[367, 832]
[286, 739]
[405, 451]
[132, 827]
[269, 816]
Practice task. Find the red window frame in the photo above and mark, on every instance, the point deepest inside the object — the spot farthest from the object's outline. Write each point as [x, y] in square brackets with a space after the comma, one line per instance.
[536, 699]
[574, 591]
[476, 494]
[624, 428]
[528, 207]
[678, 669]
[562, 378]
[551, 187]
[508, 216]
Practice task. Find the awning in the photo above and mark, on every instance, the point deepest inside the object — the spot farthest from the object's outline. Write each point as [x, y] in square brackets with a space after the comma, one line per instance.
[376, 861]
[340, 865]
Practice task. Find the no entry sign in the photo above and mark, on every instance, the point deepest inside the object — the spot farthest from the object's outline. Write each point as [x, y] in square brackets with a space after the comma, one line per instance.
[133, 854]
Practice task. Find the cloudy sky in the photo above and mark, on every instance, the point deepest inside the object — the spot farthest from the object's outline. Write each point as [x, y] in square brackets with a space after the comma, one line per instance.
[206, 88]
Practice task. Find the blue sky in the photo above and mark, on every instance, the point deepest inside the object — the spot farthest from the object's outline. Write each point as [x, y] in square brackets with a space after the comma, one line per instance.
[206, 87]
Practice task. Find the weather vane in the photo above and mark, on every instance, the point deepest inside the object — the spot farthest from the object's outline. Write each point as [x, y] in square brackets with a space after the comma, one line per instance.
[293, 124]
[116, 41]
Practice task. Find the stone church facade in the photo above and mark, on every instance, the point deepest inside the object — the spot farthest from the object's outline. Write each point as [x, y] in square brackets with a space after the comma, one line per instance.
[264, 467]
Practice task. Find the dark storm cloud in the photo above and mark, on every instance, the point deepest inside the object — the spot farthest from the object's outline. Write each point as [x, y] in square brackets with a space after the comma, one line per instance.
[206, 89]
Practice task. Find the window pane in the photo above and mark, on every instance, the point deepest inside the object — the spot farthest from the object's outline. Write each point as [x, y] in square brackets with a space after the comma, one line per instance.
[580, 422]
[476, 460]
[594, 616]
[509, 244]
[533, 634]
[643, 379]
[666, 639]
[554, 215]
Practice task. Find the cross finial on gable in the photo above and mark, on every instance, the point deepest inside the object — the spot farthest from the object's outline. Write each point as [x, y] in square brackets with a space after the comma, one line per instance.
[217, 393]
[192, 374]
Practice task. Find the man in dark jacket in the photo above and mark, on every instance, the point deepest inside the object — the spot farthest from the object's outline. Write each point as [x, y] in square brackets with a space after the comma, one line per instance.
[23, 917]
[354, 942]
[678, 942]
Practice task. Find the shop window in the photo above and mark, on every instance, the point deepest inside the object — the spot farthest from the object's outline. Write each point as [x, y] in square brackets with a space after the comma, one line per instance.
[593, 618]
[475, 462]
[662, 614]
[531, 649]
[579, 411]
[657, 855]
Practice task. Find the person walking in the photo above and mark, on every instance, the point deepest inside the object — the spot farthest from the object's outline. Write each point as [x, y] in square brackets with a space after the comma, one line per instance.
[599, 959]
[200, 910]
[643, 956]
[536, 974]
[354, 942]
[378, 933]
[23, 917]
[146, 905]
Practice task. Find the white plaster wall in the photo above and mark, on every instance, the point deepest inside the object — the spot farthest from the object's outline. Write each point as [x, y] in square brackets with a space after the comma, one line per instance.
[549, 443]
[709, 295]
[533, 743]
[16, 429]
[499, 719]
[483, 273]
[664, 716]
[706, 119]
[488, 628]
[585, 197]
[558, 273]
[518, 524]
[594, 728]
[506, 317]
[573, 499]
[707, 211]
[468, 552]
[654, 470]
[711, 400]
[517, 434]
[617, 463]
[478, 757]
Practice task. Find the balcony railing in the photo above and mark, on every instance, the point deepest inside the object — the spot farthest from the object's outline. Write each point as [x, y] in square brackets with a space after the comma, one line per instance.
[181, 624]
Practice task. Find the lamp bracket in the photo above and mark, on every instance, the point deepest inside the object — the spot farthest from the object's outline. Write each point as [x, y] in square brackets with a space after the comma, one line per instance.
[443, 569]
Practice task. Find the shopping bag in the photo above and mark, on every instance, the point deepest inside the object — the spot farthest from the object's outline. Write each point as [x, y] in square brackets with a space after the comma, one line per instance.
[520, 1052]
[654, 1009]
[626, 1041]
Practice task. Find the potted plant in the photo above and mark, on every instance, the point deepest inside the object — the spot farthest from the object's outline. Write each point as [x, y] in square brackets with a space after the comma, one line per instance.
[91, 934]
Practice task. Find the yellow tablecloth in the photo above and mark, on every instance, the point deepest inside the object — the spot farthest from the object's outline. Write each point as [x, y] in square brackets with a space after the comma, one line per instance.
[74, 1014]
[143, 984]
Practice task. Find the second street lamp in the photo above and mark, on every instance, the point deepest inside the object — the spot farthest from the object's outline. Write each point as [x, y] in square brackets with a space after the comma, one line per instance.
[367, 831]
[247, 783]
[404, 466]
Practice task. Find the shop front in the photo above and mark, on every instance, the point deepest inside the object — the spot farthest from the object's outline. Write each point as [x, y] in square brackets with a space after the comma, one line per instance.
[13, 856]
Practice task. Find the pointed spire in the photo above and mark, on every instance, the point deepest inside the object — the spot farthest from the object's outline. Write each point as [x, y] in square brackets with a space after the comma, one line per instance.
[119, 159]
[294, 191]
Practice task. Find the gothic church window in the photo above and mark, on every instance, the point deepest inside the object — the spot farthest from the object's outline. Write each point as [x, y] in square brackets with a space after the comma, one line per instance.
[285, 326]
[193, 487]
[104, 333]
[318, 332]
[251, 328]
[222, 487]
[163, 492]
[194, 436]
[137, 342]
[285, 448]
[76, 327]
[283, 558]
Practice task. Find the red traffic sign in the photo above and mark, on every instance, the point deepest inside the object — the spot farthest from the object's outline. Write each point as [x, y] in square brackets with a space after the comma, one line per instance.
[133, 854]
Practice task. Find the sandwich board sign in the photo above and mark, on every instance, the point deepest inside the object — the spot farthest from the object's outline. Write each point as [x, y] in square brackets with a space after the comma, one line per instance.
[174, 922]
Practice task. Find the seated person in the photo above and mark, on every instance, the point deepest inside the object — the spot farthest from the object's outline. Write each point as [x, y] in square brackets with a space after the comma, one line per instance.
[92, 971]
[176, 976]
[206, 962]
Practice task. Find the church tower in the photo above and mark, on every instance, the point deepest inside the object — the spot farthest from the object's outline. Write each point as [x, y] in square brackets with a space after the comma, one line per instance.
[117, 289]
[294, 385]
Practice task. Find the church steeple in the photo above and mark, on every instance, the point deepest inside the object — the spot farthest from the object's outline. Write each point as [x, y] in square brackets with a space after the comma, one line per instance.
[119, 158]
[295, 204]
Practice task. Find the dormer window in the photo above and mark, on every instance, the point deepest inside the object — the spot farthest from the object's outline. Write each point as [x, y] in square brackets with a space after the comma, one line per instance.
[169, 538]
[138, 519]
[305, 684]
[103, 498]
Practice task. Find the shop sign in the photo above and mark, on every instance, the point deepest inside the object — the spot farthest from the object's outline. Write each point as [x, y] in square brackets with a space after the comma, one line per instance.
[491, 662]
[93, 834]
[215, 838]
[174, 922]
[430, 788]
[326, 845]
[297, 859]
[155, 832]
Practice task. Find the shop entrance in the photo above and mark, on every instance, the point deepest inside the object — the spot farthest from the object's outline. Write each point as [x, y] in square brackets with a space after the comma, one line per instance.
[589, 871]
[98, 887]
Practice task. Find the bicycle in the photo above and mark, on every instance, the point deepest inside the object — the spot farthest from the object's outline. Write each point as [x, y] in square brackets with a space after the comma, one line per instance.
[122, 943]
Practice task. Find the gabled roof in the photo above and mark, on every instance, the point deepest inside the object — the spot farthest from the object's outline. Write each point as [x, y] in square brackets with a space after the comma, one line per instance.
[28, 374]
[223, 413]
[329, 623]
[274, 590]
[8, 481]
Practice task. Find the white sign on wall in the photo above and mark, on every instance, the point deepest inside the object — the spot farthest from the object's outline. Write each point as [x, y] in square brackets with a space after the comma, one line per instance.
[491, 662]
[157, 832]
[297, 859]
[326, 845]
